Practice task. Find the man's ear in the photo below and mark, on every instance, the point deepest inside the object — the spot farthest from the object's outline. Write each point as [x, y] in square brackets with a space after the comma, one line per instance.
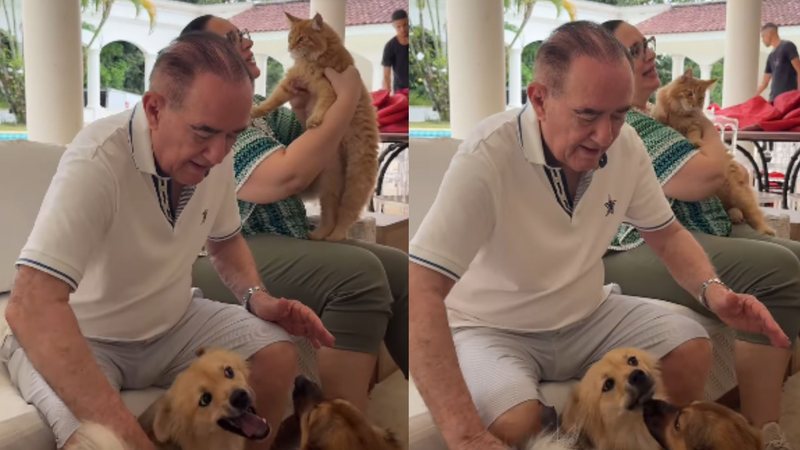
[537, 94]
[153, 104]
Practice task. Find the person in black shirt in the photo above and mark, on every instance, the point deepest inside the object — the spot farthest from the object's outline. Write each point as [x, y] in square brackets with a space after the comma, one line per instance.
[783, 64]
[395, 54]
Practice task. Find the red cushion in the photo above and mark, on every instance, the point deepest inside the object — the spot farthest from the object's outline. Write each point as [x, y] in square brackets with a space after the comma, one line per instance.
[751, 112]
[399, 116]
[787, 101]
[395, 104]
[780, 125]
[792, 114]
[379, 97]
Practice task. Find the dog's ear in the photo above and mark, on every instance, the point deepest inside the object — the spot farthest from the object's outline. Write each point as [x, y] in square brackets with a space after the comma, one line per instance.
[161, 421]
[200, 352]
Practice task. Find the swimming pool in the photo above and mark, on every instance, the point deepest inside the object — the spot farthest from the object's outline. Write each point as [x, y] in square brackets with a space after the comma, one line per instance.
[428, 133]
[12, 136]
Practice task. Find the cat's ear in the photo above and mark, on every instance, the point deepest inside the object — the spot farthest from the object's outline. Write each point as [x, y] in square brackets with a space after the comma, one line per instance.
[292, 18]
[710, 82]
[317, 25]
[688, 73]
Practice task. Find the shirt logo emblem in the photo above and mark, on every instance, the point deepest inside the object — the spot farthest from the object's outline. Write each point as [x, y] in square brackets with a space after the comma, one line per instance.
[610, 206]
[205, 214]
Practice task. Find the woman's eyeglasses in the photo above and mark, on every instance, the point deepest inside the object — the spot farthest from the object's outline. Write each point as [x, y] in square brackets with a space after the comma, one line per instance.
[237, 36]
[638, 49]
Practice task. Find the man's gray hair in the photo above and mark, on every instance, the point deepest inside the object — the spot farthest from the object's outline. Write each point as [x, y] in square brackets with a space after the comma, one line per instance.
[569, 41]
[193, 54]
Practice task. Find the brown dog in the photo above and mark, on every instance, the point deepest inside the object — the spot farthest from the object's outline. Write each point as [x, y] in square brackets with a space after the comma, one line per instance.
[605, 409]
[208, 407]
[320, 424]
[699, 426]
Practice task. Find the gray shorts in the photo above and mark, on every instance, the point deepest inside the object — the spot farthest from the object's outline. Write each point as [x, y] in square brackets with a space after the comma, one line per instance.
[155, 362]
[503, 369]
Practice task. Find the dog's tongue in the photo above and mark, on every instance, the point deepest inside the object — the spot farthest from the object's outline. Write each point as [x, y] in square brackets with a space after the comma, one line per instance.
[252, 426]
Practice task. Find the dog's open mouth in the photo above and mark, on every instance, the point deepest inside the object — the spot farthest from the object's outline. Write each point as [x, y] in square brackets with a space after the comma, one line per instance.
[248, 424]
[638, 397]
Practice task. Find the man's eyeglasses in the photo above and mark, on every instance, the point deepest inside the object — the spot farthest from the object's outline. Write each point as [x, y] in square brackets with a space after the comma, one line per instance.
[237, 36]
[638, 49]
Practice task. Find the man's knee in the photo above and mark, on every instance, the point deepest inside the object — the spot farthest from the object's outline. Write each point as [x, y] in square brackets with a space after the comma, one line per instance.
[519, 423]
[685, 370]
[276, 361]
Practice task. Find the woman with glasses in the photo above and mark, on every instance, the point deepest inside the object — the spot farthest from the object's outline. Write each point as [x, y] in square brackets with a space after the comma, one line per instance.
[359, 290]
[747, 261]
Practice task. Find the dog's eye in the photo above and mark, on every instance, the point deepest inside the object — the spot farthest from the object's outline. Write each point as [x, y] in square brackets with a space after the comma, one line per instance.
[205, 399]
[228, 372]
[632, 361]
[608, 385]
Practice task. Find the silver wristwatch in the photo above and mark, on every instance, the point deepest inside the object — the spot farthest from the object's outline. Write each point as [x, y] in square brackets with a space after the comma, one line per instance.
[704, 287]
[246, 297]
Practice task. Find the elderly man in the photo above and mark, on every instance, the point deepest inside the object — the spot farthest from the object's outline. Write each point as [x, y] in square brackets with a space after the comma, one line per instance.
[510, 254]
[102, 297]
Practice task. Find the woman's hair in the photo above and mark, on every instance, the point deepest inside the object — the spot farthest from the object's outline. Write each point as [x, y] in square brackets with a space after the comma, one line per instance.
[197, 24]
[612, 25]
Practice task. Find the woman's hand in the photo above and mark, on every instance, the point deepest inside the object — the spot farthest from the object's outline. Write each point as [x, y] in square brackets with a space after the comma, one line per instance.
[345, 84]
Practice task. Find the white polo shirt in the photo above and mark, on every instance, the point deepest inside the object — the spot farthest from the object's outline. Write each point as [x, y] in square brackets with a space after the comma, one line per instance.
[105, 228]
[523, 256]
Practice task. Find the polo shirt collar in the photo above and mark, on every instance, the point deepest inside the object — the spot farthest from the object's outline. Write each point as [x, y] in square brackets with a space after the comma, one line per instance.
[141, 145]
[530, 138]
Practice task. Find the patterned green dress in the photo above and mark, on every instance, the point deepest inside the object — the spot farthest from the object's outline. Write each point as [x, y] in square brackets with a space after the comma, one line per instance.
[267, 134]
[669, 151]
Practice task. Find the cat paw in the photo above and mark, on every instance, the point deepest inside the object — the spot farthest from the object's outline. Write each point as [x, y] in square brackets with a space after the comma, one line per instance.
[336, 236]
[313, 122]
[736, 215]
[766, 230]
[316, 235]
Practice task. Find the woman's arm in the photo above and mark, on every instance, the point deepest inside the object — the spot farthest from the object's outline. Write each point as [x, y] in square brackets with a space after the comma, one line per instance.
[288, 171]
[703, 174]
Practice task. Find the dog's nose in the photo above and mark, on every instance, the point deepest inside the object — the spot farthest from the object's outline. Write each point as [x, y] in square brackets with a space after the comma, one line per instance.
[240, 399]
[638, 378]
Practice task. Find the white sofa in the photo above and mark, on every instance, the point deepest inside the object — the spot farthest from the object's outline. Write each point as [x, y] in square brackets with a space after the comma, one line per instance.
[428, 159]
[25, 172]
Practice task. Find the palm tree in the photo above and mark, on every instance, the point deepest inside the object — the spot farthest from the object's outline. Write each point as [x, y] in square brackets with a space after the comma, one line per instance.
[526, 6]
[104, 7]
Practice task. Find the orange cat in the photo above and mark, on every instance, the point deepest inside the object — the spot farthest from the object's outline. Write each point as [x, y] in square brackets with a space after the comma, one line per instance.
[345, 187]
[680, 105]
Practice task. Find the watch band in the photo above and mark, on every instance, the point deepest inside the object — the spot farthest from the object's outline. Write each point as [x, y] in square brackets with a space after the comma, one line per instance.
[246, 297]
[704, 287]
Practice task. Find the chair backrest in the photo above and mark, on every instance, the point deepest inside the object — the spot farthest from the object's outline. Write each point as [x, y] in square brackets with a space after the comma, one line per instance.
[724, 124]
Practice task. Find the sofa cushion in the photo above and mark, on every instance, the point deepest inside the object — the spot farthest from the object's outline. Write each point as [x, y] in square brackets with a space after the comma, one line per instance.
[25, 172]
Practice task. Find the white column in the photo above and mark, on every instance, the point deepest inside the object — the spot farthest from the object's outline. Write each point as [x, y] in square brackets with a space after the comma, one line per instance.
[705, 74]
[515, 77]
[332, 11]
[53, 69]
[475, 62]
[261, 81]
[677, 65]
[93, 79]
[742, 27]
[149, 62]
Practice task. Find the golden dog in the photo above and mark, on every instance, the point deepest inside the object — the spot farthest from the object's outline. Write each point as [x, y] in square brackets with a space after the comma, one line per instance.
[605, 409]
[699, 426]
[208, 407]
[320, 424]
